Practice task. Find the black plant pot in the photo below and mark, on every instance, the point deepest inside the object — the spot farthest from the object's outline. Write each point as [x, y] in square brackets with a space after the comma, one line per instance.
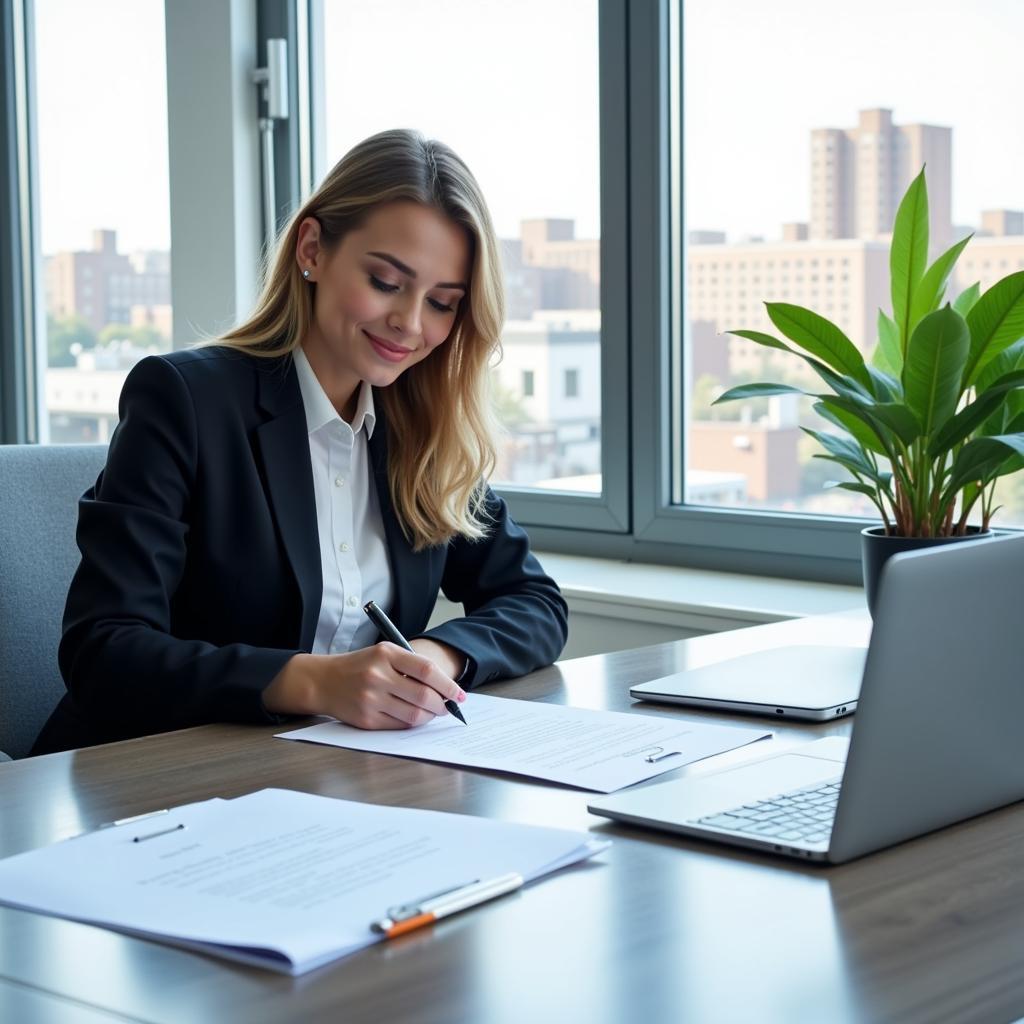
[876, 549]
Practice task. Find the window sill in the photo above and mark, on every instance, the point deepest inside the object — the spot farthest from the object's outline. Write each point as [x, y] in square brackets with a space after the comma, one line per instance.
[691, 599]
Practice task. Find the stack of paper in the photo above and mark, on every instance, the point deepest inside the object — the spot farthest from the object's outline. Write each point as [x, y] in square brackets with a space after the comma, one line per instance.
[277, 878]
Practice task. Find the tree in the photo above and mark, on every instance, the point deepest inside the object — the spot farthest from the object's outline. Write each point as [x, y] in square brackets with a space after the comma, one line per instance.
[706, 388]
[814, 473]
[62, 334]
[148, 337]
[508, 406]
[142, 336]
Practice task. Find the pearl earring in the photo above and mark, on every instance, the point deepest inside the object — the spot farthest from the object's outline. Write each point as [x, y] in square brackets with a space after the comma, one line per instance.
[305, 273]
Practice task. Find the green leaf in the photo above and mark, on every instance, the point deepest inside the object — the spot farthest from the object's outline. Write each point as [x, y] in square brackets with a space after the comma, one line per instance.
[888, 354]
[934, 367]
[854, 469]
[855, 411]
[899, 419]
[971, 416]
[969, 495]
[884, 387]
[844, 448]
[967, 298]
[979, 459]
[889, 421]
[840, 384]
[756, 391]
[763, 339]
[854, 426]
[996, 321]
[821, 338]
[1014, 464]
[836, 381]
[1005, 418]
[859, 488]
[1007, 361]
[929, 292]
[881, 480]
[908, 254]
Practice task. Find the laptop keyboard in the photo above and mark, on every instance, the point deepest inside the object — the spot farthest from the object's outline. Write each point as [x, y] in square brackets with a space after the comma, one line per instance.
[805, 815]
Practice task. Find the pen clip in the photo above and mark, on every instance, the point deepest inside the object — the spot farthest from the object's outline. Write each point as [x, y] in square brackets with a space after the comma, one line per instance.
[404, 911]
[450, 901]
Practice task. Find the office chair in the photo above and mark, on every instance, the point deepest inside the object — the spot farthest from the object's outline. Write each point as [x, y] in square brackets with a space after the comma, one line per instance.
[39, 490]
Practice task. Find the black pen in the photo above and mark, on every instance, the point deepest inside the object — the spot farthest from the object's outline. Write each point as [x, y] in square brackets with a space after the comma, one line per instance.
[390, 630]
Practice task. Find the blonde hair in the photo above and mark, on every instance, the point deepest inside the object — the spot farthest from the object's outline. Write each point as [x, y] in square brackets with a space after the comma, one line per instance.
[438, 412]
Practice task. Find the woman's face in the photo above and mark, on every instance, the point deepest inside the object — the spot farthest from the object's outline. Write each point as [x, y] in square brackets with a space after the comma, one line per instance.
[386, 296]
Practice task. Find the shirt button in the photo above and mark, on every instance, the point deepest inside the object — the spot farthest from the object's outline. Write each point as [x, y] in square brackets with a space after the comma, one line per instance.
[353, 600]
[343, 547]
[339, 481]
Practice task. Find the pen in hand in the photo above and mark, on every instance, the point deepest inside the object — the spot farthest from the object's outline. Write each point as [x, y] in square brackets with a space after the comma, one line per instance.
[390, 630]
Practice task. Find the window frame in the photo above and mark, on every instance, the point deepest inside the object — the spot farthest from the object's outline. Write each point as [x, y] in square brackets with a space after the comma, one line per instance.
[734, 540]
[608, 512]
[21, 355]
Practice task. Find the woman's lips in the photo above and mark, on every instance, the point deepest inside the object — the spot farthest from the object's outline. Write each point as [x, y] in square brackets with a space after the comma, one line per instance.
[392, 353]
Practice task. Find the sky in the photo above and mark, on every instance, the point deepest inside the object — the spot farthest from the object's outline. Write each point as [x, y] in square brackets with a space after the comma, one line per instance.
[760, 75]
[512, 86]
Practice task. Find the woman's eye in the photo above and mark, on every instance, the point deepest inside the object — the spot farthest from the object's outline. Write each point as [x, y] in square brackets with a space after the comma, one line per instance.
[382, 286]
[441, 307]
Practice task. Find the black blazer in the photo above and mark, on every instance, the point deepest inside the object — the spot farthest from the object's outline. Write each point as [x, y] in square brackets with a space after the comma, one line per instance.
[200, 573]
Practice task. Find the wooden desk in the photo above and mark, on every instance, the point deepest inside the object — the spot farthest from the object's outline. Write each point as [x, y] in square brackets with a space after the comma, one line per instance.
[657, 929]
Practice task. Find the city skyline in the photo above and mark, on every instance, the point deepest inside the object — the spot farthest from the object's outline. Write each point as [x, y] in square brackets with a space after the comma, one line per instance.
[753, 103]
[748, 171]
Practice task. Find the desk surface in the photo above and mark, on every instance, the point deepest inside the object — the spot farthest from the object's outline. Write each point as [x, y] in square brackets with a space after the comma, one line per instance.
[658, 928]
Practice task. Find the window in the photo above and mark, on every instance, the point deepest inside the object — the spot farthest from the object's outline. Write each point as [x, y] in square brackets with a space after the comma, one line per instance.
[572, 383]
[528, 127]
[777, 470]
[596, 143]
[103, 205]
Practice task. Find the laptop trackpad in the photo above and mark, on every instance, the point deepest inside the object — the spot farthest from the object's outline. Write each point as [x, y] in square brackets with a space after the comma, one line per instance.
[777, 775]
[686, 799]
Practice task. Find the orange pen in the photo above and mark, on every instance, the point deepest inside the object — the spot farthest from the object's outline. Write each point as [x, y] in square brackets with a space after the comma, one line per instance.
[432, 908]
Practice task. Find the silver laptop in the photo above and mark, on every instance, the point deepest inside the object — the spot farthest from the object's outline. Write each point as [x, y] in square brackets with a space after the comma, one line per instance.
[812, 683]
[936, 737]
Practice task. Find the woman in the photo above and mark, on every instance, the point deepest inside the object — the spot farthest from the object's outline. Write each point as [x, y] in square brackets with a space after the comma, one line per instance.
[329, 451]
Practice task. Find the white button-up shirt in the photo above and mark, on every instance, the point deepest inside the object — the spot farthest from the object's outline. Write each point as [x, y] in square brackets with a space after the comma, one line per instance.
[353, 553]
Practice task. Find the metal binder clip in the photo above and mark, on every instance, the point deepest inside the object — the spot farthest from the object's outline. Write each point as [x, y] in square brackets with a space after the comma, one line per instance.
[654, 758]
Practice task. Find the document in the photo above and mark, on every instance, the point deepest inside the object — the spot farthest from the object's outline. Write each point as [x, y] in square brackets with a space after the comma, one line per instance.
[601, 751]
[277, 878]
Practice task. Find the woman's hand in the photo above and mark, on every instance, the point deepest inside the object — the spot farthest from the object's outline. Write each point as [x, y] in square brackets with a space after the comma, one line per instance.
[450, 661]
[379, 687]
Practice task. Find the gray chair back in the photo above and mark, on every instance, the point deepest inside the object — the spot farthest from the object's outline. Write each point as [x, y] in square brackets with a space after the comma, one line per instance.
[39, 490]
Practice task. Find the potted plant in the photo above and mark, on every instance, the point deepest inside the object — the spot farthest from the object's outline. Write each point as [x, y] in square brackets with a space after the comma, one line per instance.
[929, 423]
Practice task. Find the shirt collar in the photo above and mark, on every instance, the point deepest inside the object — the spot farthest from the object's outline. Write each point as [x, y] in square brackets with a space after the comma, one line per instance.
[319, 410]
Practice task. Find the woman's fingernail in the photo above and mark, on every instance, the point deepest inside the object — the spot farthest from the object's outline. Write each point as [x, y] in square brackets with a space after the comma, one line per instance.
[462, 696]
